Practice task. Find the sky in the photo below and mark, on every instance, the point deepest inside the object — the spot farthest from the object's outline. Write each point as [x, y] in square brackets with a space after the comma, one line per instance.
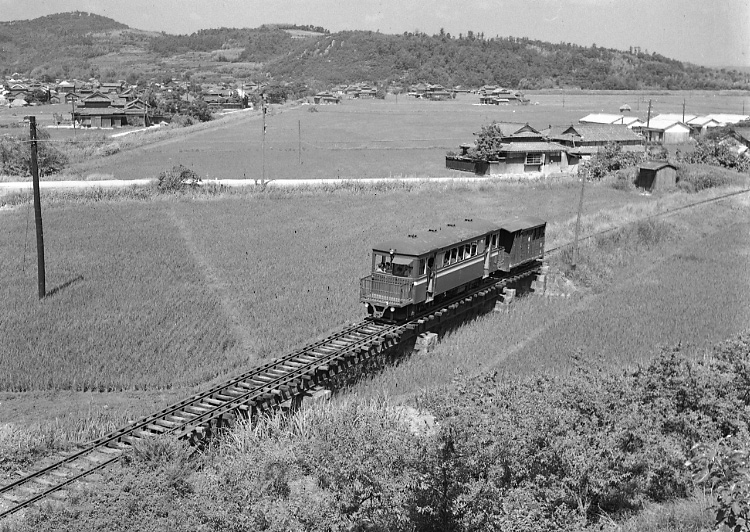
[704, 32]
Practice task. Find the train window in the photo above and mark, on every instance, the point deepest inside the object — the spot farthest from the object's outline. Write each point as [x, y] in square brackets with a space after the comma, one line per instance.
[460, 253]
[486, 241]
[474, 248]
[402, 270]
[382, 263]
[446, 258]
[454, 255]
[494, 240]
[422, 267]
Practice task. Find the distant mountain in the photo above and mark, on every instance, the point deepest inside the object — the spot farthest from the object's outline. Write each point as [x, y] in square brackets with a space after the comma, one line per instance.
[84, 45]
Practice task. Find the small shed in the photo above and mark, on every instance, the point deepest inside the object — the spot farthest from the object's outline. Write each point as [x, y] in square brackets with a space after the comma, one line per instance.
[624, 107]
[656, 176]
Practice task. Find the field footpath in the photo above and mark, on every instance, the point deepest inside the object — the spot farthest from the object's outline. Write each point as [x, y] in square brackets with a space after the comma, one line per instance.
[20, 186]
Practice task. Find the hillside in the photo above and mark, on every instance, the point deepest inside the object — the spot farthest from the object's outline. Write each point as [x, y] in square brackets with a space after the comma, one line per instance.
[83, 45]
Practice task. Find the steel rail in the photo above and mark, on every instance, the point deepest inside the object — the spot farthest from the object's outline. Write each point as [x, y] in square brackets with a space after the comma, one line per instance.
[117, 436]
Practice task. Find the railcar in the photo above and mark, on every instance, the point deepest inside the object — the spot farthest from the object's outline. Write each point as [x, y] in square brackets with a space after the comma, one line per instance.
[411, 274]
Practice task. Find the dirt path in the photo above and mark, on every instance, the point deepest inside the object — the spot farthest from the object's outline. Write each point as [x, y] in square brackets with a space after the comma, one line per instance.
[217, 284]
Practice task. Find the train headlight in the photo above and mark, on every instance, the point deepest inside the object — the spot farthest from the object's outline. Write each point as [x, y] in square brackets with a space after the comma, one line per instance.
[393, 309]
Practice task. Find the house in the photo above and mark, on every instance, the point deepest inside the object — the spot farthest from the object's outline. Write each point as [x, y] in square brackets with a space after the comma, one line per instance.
[134, 113]
[742, 135]
[724, 119]
[665, 131]
[676, 117]
[602, 118]
[437, 93]
[521, 157]
[66, 86]
[587, 139]
[522, 149]
[700, 124]
[116, 87]
[325, 98]
[656, 176]
[95, 100]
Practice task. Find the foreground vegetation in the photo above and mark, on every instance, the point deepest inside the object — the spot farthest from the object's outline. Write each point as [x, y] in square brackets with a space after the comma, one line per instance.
[536, 453]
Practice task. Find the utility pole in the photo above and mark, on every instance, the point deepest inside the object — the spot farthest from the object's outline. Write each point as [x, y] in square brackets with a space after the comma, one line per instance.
[37, 210]
[578, 218]
[263, 141]
[683, 110]
[73, 114]
[648, 125]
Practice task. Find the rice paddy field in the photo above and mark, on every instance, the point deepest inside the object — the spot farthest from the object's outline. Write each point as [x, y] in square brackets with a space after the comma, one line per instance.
[395, 137]
[174, 292]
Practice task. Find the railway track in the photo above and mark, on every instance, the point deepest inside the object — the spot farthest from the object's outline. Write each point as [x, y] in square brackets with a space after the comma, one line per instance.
[259, 389]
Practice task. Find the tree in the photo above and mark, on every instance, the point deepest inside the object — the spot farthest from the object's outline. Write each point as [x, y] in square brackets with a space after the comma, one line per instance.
[199, 109]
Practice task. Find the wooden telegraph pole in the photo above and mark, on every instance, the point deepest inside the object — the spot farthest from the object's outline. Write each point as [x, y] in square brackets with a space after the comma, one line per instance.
[263, 140]
[578, 219]
[37, 210]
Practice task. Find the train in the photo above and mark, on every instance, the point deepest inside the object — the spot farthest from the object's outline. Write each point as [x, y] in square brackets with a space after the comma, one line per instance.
[412, 274]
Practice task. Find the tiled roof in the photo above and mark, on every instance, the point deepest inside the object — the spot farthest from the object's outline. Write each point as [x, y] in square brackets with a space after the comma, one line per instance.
[532, 147]
[599, 133]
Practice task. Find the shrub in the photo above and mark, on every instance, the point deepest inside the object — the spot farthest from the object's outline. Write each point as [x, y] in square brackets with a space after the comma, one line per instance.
[695, 179]
[624, 179]
[716, 152]
[611, 159]
[108, 149]
[15, 156]
[177, 179]
[722, 466]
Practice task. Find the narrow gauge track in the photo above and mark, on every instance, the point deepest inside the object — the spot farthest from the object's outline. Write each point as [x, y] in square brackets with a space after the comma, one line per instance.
[259, 389]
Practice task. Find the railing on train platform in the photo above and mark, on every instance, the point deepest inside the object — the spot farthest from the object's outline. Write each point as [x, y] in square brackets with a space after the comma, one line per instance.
[385, 289]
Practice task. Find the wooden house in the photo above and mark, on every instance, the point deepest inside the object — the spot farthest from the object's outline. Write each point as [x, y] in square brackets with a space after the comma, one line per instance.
[325, 98]
[666, 131]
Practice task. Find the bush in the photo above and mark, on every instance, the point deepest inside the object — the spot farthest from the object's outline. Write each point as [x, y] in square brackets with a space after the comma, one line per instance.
[624, 179]
[716, 152]
[611, 159]
[177, 179]
[108, 149]
[701, 177]
[15, 156]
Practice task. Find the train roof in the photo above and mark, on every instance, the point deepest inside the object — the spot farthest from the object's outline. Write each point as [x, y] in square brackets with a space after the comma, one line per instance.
[422, 242]
[518, 223]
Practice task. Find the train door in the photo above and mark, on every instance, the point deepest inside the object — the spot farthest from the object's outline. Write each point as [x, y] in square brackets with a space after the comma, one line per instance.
[487, 256]
[431, 276]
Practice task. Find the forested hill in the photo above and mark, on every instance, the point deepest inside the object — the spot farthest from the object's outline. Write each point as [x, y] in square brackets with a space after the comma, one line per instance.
[473, 60]
[73, 45]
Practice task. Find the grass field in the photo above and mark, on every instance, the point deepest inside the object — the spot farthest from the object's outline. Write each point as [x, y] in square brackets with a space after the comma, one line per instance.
[360, 139]
[682, 287]
[174, 292]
